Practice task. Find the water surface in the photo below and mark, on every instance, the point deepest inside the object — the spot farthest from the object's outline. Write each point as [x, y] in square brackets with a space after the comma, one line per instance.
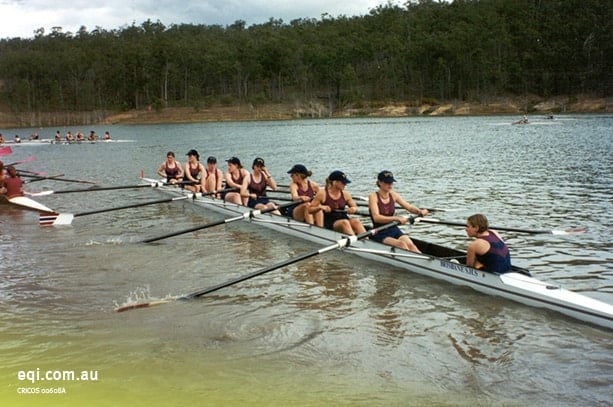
[331, 330]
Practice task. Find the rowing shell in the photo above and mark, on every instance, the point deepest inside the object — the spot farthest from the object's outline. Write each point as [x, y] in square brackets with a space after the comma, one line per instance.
[435, 261]
[26, 203]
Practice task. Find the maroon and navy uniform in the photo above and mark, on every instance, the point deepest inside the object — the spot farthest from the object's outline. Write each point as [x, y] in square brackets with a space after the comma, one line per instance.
[386, 209]
[237, 181]
[340, 203]
[301, 192]
[171, 172]
[259, 189]
[497, 259]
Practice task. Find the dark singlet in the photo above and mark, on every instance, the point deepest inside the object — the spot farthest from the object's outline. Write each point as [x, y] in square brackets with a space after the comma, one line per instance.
[386, 209]
[340, 203]
[171, 173]
[194, 171]
[258, 188]
[498, 258]
[306, 192]
[238, 181]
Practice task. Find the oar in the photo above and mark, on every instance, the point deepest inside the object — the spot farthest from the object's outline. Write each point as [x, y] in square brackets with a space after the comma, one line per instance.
[570, 231]
[246, 215]
[54, 178]
[344, 242]
[39, 174]
[363, 202]
[37, 178]
[66, 218]
[93, 189]
[27, 160]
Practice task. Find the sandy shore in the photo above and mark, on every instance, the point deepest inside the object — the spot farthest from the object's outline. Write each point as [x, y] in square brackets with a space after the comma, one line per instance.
[248, 112]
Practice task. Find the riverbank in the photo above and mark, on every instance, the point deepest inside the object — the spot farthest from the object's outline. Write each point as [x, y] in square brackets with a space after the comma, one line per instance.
[315, 109]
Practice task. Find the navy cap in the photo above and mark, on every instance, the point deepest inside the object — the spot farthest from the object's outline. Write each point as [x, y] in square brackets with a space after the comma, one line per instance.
[258, 162]
[233, 160]
[211, 160]
[298, 169]
[338, 176]
[386, 176]
[194, 153]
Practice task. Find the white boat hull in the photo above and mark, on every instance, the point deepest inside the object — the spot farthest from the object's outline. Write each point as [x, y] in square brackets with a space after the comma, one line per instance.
[26, 203]
[435, 261]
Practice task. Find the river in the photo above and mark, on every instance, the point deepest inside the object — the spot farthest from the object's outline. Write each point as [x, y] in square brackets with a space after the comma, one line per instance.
[330, 330]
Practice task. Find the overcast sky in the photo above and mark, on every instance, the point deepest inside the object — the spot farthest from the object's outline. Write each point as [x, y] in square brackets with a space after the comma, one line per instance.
[20, 18]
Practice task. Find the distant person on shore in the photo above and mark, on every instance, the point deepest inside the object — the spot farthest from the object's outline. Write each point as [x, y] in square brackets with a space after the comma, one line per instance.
[194, 171]
[212, 180]
[336, 204]
[302, 188]
[236, 177]
[488, 252]
[382, 206]
[171, 169]
[12, 183]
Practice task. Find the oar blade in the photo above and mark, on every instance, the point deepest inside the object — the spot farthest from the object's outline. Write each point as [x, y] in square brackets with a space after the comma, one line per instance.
[47, 219]
[570, 231]
[41, 193]
[63, 219]
[149, 304]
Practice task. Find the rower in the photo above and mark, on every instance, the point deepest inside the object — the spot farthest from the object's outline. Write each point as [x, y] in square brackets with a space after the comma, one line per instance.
[302, 188]
[193, 170]
[382, 206]
[12, 184]
[213, 177]
[171, 169]
[332, 201]
[259, 180]
[236, 177]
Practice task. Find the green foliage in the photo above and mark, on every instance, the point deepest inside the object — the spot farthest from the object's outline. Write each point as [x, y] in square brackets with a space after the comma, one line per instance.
[427, 50]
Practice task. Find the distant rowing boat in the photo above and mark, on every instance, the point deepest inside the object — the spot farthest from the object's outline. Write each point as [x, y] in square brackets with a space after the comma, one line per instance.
[45, 142]
[435, 261]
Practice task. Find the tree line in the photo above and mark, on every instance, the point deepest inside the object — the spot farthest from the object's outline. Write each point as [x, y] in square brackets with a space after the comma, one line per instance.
[423, 50]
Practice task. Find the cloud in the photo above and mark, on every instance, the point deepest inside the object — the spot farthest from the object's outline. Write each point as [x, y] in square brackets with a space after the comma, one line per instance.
[20, 18]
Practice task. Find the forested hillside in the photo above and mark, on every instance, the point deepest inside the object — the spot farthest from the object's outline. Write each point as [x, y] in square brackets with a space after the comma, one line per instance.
[424, 50]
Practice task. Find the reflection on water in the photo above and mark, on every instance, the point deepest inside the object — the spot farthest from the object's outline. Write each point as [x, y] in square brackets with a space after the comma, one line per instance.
[333, 329]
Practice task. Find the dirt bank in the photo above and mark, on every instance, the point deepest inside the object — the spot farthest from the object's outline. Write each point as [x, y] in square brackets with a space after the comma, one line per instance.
[244, 112]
